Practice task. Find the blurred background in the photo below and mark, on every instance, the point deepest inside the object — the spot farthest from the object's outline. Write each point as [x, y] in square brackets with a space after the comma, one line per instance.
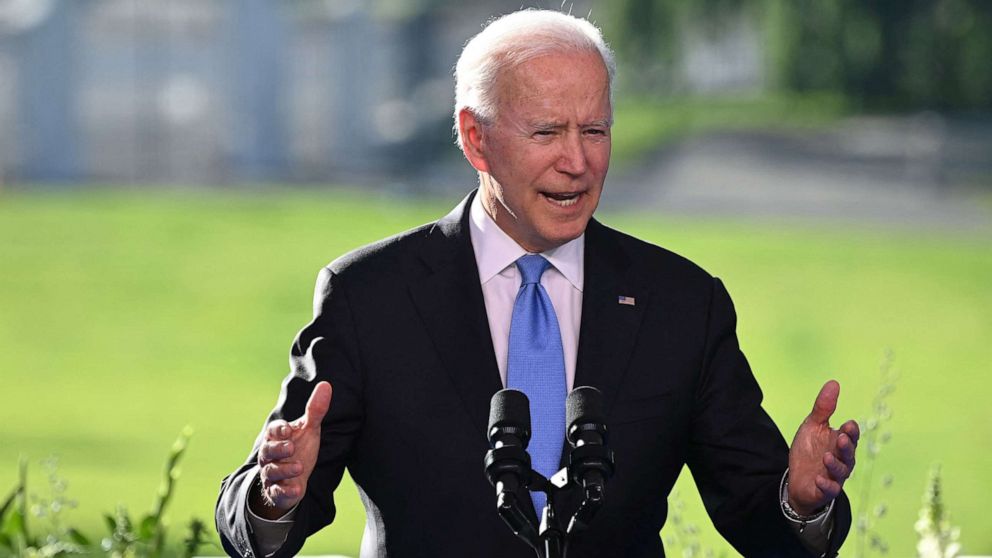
[173, 173]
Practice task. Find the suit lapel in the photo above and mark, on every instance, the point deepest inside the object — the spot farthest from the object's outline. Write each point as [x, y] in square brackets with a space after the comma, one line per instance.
[609, 329]
[449, 300]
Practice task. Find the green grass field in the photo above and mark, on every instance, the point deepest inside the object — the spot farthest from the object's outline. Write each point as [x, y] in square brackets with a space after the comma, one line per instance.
[125, 315]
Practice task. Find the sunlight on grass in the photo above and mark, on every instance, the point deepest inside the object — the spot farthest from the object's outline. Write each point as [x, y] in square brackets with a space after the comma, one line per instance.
[128, 314]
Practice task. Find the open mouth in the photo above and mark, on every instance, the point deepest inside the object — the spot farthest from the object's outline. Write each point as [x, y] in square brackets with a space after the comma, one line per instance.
[564, 199]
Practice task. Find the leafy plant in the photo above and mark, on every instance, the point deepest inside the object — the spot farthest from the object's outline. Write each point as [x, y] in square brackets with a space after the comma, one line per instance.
[683, 537]
[938, 539]
[14, 533]
[127, 539]
[61, 539]
[146, 538]
[874, 435]
[195, 539]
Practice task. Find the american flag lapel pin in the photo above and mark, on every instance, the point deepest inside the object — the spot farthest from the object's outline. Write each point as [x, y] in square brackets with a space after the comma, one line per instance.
[628, 300]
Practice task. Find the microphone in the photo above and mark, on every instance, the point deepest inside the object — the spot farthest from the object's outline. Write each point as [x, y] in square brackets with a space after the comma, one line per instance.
[507, 463]
[590, 461]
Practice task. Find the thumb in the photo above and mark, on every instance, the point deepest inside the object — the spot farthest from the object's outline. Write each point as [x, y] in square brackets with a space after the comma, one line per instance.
[320, 401]
[826, 403]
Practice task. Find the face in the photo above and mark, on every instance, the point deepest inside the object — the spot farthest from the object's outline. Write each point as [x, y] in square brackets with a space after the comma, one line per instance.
[542, 162]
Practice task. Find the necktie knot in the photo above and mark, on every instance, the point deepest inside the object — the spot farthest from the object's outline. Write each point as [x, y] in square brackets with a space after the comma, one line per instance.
[532, 267]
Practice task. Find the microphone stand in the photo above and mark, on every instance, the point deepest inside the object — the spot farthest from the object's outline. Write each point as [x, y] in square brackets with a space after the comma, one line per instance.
[552, 537]
[586, 467]
[549, 539]
[508, 467]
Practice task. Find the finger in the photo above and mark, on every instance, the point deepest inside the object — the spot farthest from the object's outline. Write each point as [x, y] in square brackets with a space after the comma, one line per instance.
[852, 430]
[282, 495]
[829, 488]
[274, 451]
[845, 449]
[826, 403]
[278, 430]
[279, 471]
[837, 468]
[320, 401]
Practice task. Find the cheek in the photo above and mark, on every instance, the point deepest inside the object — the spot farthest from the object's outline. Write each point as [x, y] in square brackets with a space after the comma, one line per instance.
[526, 173]
[599, 158]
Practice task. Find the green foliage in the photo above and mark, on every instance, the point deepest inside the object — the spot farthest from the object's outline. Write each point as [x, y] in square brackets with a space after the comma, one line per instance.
[147, 538]
[874, 435]
[18, 539]
[938, 538]
[14, 533]
[195, 539]
[883, 54]
[682, 536]
[648, 36]
[125, 540]
[122, 540]
[889, 54]
[644, 124]
[159, 306]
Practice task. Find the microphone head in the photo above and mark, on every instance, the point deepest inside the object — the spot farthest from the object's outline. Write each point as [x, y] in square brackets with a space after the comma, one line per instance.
[509, 413]
[584, 405]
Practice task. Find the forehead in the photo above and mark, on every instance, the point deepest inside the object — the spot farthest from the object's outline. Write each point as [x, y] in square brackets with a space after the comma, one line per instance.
[572, 81]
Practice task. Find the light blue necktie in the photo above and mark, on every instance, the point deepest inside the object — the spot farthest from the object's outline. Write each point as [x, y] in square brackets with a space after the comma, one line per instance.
[536, 366]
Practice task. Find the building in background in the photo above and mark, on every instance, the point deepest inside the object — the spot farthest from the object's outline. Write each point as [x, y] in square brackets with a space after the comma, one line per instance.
[223, 91]
[360, 91]
[218, 91]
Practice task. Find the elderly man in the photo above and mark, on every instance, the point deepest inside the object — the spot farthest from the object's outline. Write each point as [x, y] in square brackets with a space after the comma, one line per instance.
[415, 334]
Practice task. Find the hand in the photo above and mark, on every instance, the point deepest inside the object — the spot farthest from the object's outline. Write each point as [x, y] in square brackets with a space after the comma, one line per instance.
[821, 458]
[287, 457]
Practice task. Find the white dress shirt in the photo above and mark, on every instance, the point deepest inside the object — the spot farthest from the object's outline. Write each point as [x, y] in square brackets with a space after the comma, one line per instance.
[495, 255]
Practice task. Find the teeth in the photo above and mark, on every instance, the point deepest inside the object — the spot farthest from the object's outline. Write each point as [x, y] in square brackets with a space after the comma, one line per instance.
[562, 201]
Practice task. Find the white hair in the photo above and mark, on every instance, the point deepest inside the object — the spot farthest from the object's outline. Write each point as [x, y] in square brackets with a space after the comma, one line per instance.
[512, 40]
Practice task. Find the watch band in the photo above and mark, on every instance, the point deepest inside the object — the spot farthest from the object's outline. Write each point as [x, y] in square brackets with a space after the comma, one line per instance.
[792, 514]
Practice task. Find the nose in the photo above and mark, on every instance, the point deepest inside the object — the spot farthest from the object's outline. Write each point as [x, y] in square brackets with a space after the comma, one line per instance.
[572, 159]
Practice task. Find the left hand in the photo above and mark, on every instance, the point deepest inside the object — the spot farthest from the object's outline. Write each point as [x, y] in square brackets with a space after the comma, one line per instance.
[821, 458]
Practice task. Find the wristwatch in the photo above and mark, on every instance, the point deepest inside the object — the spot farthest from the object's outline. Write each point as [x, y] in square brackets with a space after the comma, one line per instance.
[792, 514]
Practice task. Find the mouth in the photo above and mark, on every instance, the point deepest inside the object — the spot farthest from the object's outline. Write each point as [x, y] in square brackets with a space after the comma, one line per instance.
[562, 199]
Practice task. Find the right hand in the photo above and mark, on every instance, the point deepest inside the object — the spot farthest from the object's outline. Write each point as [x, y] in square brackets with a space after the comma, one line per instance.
[287, 456]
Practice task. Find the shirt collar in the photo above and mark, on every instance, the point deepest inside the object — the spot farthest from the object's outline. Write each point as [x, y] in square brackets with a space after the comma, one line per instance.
[495, 250]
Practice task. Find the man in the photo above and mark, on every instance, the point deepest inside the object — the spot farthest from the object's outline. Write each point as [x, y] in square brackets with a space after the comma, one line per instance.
[417, 332]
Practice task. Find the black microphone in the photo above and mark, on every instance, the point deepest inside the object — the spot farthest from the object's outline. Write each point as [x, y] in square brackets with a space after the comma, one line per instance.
[584, 416]
[590, 461]
[509, 418]
[507, 463]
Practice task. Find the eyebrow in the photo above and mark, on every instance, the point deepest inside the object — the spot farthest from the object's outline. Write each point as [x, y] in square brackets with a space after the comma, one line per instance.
[554, 125]
[545, 124]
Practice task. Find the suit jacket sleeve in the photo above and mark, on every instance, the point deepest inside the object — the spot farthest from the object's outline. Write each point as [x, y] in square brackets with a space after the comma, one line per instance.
[737, 455]
[325, 349]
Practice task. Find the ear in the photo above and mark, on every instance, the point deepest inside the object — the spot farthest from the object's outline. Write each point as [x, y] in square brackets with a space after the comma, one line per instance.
[471, 131]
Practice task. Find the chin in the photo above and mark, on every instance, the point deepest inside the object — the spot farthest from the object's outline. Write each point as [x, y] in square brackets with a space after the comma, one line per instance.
[564, 235]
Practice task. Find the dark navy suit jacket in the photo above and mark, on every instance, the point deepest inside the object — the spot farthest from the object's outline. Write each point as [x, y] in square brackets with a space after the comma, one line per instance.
[400, 331]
